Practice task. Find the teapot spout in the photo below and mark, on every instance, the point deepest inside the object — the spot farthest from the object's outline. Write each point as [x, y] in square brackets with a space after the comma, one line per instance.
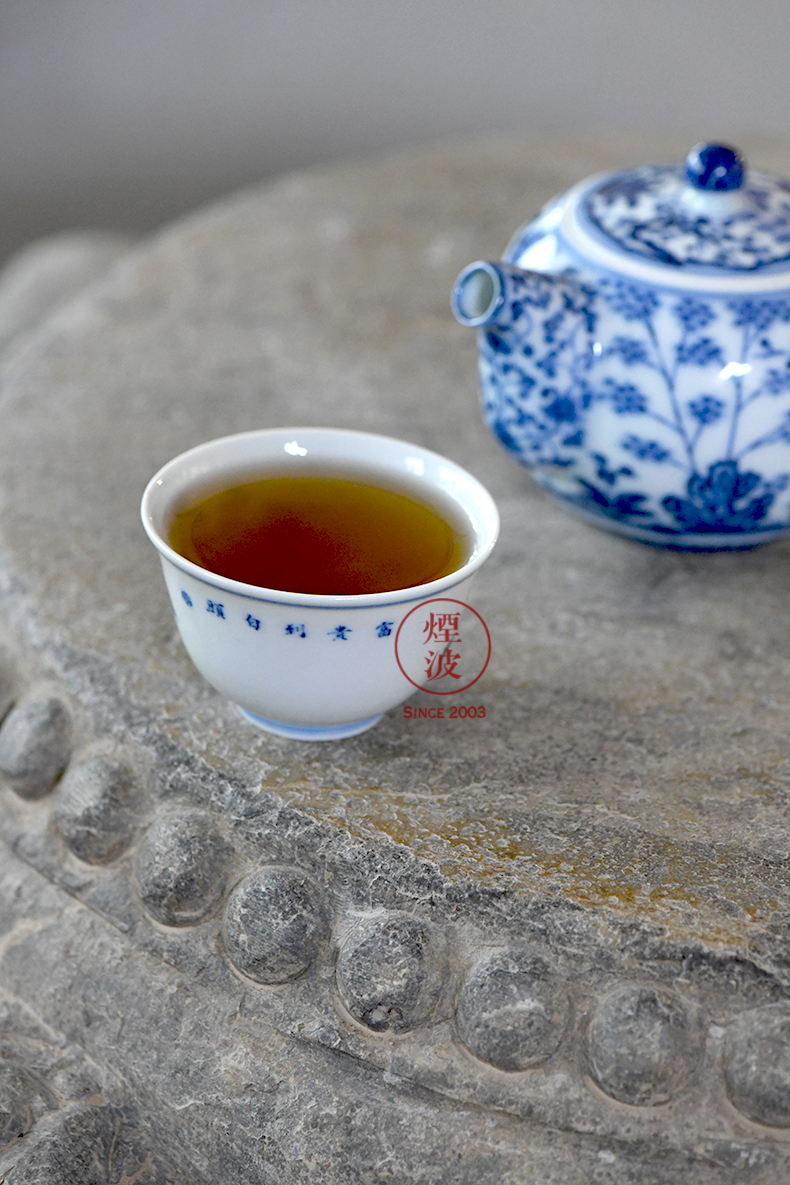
[536, 350]
[489, 293]
[479, 296]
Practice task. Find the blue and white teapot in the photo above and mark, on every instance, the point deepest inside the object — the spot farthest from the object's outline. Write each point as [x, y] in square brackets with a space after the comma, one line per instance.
[635, 351]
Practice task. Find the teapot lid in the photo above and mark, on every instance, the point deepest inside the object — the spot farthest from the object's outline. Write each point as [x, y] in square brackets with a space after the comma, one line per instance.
[709, 216]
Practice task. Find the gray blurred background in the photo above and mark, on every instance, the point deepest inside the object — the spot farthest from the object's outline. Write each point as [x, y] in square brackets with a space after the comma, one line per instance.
[124, 113]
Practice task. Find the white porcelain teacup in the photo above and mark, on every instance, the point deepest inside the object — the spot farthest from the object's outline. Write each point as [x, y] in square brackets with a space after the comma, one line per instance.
[304, 665]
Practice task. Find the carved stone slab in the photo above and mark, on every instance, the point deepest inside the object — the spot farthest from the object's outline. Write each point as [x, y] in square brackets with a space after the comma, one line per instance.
[547, 944]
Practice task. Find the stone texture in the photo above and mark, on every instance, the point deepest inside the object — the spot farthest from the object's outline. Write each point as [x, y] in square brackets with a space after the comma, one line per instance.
[77, 1145]
[7, 681]
[56, 1128]
[180, 868]
[45, 274]
[511, 1010]
[388, 972]
[619, 813]
[641, 1045]
[757, 1066]
[97, 808]
[35, 741]
[274, 924]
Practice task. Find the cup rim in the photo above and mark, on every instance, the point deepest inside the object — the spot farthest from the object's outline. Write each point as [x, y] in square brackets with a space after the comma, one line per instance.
[321, 600]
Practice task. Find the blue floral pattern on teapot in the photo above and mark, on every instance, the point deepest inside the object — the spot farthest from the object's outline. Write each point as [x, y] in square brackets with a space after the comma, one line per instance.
[641, 366]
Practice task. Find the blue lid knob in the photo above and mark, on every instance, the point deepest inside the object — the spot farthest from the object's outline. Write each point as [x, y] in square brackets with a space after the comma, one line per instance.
[713, 166]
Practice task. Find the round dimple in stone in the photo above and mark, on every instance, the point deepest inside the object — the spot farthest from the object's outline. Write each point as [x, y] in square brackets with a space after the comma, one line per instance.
[757, 1065]
[94, 811]
[511, 1011]
[641, 1045]
[181, 869]
[274, 924]
[388, 975]
[35, 744]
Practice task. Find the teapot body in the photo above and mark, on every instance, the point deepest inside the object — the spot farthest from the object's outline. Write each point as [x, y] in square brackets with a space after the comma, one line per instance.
[653, 401]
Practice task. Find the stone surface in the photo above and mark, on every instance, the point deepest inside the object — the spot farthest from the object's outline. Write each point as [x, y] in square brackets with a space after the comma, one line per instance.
[79, 1144]
[641, 1046]
[619, 812]
[511, 1010]
[757, 1066]
[180, 868]
[63, 1121]
[388, 972]
[274, 924]
[35, 741]
[7, 681]
[97, 808]
[45, 274]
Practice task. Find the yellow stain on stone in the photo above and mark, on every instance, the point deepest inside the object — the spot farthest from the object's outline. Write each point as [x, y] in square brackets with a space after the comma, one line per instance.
[620, 875]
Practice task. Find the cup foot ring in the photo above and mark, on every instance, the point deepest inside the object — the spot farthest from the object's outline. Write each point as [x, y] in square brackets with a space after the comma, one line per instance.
[306, 732]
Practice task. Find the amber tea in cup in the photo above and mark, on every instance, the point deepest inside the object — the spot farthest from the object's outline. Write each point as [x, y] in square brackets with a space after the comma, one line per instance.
[328, 533]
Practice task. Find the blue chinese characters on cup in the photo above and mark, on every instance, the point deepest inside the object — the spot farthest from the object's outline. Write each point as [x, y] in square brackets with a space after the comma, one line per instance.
[635, 351]
[304, 665]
